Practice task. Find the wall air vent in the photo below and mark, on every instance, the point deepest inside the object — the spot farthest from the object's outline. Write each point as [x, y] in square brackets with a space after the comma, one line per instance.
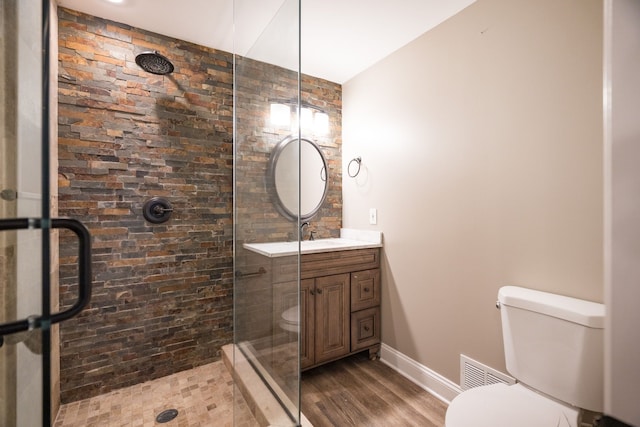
[476, 374]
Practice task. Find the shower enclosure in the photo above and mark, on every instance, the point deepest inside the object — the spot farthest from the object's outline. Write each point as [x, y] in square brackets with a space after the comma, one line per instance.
[266, 73]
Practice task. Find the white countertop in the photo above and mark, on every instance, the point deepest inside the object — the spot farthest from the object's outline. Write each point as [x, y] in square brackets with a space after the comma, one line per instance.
[349, 239]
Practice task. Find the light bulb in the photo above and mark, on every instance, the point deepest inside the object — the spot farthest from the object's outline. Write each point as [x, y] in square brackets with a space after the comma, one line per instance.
[280, 115]
[321, 123]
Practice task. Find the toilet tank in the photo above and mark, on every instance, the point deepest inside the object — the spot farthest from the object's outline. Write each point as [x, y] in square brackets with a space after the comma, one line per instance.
[554, 344]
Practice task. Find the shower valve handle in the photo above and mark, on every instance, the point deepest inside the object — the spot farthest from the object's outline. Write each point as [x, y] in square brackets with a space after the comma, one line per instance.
[160, 210]
[157, 210]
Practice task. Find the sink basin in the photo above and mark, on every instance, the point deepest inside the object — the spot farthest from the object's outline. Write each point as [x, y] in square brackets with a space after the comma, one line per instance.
[323, 243]
[277, 249]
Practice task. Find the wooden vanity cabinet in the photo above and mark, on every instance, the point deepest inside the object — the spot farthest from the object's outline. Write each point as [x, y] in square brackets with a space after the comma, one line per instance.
[340, 305]
[339, 302]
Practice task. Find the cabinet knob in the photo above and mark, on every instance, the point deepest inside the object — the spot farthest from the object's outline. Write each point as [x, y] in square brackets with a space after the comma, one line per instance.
[319, 291]
[366, 328]
[366, 289]
[312, 292]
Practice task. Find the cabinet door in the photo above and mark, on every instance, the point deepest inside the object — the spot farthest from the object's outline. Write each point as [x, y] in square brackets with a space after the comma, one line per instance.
[307, 321]
[332, 317]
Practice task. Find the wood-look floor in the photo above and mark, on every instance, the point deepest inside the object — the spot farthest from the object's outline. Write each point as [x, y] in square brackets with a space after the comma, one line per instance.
[356, 391]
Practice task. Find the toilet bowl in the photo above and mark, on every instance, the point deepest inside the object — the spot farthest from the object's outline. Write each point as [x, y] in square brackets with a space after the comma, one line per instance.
[553, 346]
[289, 319]
[501, 405]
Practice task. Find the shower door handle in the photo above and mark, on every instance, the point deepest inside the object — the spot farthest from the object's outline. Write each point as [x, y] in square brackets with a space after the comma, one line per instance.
[84, 271]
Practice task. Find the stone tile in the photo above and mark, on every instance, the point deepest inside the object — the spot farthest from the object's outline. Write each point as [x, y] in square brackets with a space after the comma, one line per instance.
[203, 397]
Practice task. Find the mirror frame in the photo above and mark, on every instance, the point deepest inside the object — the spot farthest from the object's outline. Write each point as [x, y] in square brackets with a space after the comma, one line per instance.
[271, 178]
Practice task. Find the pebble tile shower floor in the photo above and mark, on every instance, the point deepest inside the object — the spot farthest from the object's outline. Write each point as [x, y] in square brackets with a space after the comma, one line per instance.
[203, 397]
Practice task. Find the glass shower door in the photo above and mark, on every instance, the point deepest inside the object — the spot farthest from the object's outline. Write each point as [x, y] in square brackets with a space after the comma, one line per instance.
[25, 225]
[22, 354]
[266, 287]
[21, 196]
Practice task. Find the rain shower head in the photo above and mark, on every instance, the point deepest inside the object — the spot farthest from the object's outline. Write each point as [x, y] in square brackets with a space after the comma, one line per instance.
[153, 62]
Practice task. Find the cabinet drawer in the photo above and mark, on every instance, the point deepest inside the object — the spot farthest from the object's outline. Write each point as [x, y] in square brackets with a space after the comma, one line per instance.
[327, 263]
[365, 289]
[365, 328]
[285, 268]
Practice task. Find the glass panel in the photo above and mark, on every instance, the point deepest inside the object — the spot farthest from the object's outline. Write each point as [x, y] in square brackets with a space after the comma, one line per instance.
[21, 196]
[266, 288]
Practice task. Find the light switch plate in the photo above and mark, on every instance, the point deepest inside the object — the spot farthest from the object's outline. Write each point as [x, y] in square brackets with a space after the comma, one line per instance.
[373, 216]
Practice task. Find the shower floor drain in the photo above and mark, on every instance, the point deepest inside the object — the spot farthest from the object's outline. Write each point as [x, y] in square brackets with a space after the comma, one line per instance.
[166, 416]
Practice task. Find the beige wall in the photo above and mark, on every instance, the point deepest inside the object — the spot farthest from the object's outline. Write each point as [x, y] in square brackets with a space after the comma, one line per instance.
[481, 145]
[622, 242]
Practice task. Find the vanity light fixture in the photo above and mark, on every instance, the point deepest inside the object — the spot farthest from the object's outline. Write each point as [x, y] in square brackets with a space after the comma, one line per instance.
[115, 1]
[312, 119]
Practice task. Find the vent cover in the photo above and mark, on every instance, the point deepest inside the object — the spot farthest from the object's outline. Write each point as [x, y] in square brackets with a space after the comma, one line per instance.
[476, 374]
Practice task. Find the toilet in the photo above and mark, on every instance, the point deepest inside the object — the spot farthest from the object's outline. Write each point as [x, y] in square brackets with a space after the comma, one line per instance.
[554, 347]
[289, 320]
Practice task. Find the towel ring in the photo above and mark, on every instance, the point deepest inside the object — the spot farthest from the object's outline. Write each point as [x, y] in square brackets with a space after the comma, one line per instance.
[358, 161]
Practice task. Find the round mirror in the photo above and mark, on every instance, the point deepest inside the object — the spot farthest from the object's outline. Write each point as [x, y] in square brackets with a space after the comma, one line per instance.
[283, 176]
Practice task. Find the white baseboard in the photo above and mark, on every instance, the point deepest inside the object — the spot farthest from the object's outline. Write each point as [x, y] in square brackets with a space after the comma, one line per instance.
[424, 377]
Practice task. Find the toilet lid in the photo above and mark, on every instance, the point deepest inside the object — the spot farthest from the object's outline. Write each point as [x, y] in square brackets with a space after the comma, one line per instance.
[499, 405]
[290, 315]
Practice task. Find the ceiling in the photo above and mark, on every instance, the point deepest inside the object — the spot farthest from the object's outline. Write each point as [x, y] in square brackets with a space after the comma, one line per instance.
[339, 38]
